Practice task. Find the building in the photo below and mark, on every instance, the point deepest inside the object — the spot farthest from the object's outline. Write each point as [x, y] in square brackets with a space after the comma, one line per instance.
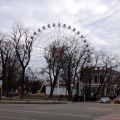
[105, 81]
[101, 79]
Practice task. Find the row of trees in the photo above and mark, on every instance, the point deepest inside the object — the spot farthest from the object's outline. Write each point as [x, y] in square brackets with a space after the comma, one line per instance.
[65, 59]
[15, 53]
[68, 60]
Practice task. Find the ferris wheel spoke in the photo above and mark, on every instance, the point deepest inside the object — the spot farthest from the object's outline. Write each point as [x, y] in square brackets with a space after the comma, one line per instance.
[61, 34]
[43, 37]
[47, 36]
[53, 33]
[68, 33]
[58, 33]
[49, 33]
[64, 32]
[40, 42]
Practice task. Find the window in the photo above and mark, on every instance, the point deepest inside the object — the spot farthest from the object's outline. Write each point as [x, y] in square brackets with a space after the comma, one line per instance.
[101, 68]
[95, 79]
[94, 90]
[108, 90]
[96, 68]
[101, 79]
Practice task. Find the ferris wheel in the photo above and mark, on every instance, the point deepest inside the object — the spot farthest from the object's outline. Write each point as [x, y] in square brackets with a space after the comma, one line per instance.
[55, 34]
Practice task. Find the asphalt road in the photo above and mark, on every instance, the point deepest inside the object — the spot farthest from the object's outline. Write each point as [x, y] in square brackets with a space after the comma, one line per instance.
[70, 111]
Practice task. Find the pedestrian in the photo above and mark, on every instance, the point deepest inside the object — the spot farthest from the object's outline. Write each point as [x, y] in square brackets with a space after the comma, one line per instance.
[61, 98]
[45, 96]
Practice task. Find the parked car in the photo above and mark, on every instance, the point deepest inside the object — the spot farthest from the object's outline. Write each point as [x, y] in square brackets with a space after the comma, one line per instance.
[105, 100]
[11, 94]
[117, 99]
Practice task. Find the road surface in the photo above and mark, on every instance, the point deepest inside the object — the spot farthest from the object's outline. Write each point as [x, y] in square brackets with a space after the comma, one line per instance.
[71, 111]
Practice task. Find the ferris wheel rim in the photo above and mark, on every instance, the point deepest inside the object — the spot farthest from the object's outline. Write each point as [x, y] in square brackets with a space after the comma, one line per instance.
[44, 29]
[59, 25]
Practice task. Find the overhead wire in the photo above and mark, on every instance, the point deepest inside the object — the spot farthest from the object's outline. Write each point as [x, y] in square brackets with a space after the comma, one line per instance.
[103, 20]
[114, 48]
[102, 15]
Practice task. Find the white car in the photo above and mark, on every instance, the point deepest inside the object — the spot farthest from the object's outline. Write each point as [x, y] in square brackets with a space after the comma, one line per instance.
[105, 100]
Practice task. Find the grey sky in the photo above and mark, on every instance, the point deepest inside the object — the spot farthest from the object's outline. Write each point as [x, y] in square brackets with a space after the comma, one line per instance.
[80, 14]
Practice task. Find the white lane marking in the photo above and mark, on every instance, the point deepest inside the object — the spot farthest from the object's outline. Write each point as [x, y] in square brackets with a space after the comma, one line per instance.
[11, 110]
[2, 116]
[60, 114]
[34, 112]
[48, 113]
[13, 117]
[70, 114]
[23, 118]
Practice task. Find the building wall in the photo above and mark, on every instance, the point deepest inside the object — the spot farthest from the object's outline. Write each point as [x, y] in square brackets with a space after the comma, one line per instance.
[57, 91]
[96, 80]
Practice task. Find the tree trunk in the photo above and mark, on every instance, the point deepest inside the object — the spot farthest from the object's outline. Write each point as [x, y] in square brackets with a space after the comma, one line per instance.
[52, 87]
[4, 81]
[51, 92]
[97, 90]
[69, 93]
[22, 81]
[107, 91]
[89, 89]
[103, 88]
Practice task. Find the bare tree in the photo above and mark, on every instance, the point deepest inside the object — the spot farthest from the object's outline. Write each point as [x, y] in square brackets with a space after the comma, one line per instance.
[109, 62]
[4, 53]
[13, 71]
[76, 56]
[89, 70]
[22, 41]
[54, 55]
[117, 83]
[75, 66]
[8, 63]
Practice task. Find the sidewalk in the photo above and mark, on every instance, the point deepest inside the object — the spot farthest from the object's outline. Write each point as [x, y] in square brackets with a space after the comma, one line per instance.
[17, 100]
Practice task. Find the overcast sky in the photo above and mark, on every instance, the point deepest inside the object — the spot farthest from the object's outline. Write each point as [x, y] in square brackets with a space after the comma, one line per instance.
[84, 15]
